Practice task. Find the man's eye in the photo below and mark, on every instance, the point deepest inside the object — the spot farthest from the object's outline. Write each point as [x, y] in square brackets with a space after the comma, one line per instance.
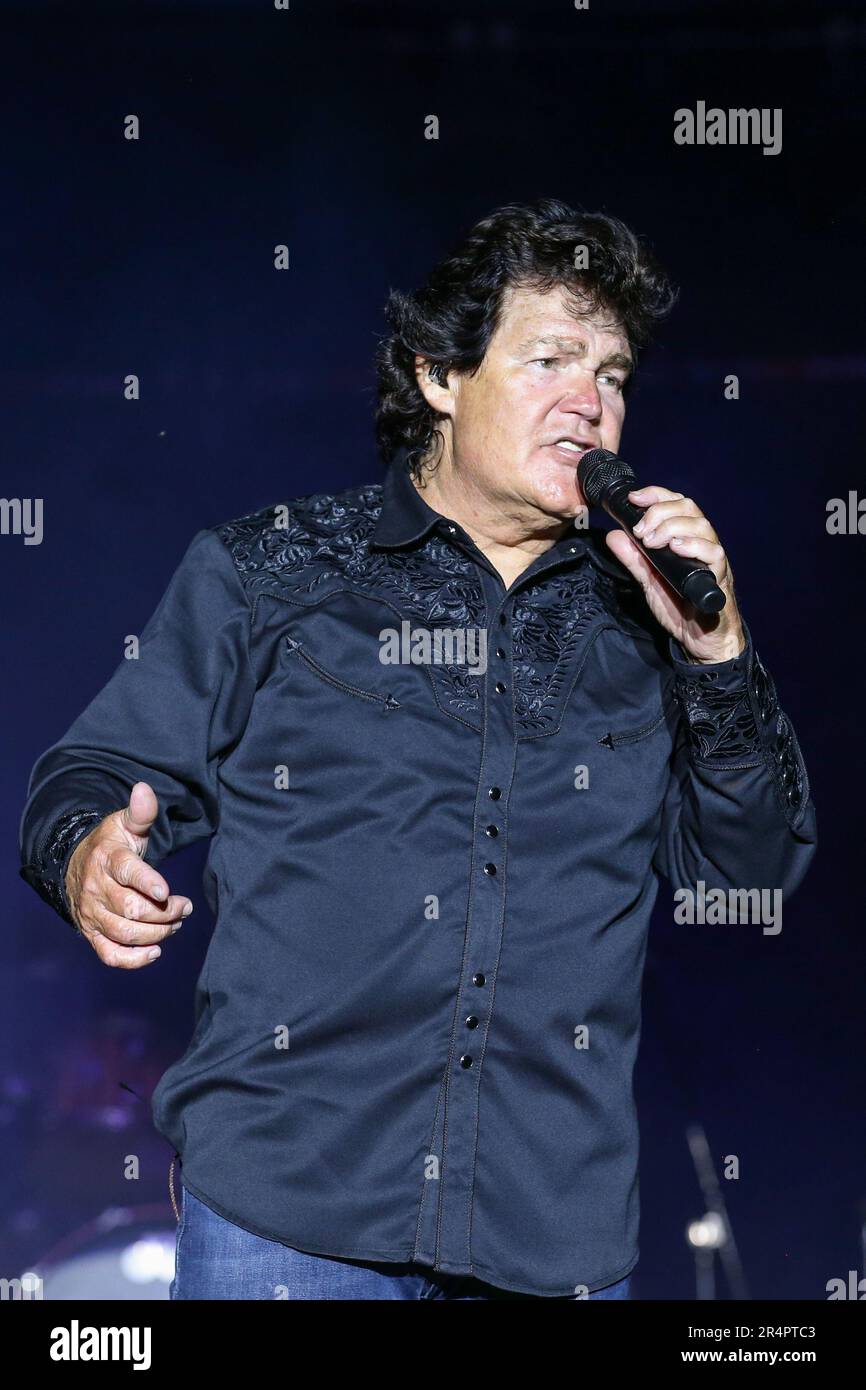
[615, 379]
[543, 361]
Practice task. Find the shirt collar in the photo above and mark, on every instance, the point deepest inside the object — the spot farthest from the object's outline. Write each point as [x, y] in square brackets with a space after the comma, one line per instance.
[405, 517]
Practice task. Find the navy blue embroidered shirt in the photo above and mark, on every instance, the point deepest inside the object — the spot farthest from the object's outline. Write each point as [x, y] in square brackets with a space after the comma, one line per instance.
[418, 1015]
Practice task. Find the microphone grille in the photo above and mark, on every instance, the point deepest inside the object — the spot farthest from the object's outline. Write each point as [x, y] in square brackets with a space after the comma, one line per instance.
[598, 470]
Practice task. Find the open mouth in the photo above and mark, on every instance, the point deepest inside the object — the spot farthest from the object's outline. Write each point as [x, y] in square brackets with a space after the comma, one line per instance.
[569, 450]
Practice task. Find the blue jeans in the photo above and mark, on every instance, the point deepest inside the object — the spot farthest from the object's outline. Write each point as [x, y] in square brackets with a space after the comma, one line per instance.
[216, 1259]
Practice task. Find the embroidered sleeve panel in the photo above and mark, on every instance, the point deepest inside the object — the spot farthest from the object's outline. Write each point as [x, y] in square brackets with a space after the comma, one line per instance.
[734, 720]
[47, 874]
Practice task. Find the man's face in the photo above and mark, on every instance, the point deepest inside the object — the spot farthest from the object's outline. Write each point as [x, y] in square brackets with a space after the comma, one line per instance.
[547, 376]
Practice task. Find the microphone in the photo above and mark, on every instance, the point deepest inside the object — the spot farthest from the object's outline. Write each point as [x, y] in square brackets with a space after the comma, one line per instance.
[606, 480]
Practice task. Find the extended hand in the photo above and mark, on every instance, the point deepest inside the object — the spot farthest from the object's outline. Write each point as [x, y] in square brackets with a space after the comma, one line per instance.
[118, 902]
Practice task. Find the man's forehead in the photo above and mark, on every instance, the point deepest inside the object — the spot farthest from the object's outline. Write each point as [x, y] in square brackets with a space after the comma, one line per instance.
[552, 318]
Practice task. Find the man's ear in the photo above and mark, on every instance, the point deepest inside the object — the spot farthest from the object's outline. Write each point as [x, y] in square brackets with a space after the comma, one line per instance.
[432, 380]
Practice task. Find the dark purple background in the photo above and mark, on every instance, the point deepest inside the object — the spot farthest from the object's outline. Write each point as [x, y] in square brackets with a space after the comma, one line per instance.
[155, 257]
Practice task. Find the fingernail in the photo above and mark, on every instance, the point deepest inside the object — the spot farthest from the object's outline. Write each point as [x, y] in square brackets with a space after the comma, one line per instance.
[176, 926]
[648, 537]
[158, 891]
[638, 530]
[152, 955]
[187, 910]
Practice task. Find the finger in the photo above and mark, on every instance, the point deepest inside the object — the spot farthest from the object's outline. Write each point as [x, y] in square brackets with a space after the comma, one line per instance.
[122, 957]
[138, 816]
[659, 511]
[662, 533]
[136, 907]
[631, 555]
[122, 930]
[708, 552]
[647, 496]
[127, 869]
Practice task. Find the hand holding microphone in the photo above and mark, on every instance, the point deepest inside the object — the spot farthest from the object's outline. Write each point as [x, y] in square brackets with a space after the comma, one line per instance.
[667, 535]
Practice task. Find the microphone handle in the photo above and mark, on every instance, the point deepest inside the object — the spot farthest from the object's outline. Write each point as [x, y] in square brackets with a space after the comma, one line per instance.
[691, 580]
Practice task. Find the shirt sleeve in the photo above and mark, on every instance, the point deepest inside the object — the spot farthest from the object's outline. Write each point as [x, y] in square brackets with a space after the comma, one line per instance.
[738, 812]
[167, 717]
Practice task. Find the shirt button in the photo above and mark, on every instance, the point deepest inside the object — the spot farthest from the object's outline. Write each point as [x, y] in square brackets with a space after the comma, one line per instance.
[491, 830]
[500, 652]
[490, 870]
[494, 793]
[501, 687]
[472, 1021]
[465, 1061]
[479, 979]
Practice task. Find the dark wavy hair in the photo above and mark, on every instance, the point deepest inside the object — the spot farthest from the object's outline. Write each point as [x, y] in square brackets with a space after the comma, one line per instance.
[452, 318]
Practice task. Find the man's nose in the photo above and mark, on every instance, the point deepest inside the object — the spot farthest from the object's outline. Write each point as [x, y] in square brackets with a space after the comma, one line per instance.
[583, 398]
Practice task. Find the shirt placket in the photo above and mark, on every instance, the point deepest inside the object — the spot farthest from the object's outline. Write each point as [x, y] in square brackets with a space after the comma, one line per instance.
[445, 1225]
[483, 940]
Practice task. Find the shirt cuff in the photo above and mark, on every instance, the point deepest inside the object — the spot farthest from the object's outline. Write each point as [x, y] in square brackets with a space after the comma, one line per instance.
[733, 720]
[48, 874]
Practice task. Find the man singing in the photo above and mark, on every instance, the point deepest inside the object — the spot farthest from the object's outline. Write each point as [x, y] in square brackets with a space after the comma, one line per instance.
[418, 1016]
